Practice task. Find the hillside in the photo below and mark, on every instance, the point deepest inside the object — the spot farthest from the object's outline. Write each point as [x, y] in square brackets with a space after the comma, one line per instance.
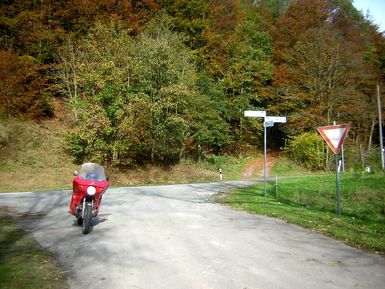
[36, 160]
[33, 156]
[159, 82]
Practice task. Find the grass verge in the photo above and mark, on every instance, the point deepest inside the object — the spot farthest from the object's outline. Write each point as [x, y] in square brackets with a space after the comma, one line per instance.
[23, 263]
[310, 202]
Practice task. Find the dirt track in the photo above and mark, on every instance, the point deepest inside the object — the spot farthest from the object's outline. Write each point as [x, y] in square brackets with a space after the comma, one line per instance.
[256, 167]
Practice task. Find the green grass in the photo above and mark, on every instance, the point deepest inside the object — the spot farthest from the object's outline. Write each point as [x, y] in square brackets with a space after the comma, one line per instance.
[23, 263]
[310, 201]
[286, 167]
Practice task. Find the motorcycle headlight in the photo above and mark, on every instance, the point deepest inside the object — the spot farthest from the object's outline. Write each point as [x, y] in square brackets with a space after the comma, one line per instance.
[91, 190]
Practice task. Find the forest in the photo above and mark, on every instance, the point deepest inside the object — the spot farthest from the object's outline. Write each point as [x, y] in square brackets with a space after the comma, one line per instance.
[156, 81]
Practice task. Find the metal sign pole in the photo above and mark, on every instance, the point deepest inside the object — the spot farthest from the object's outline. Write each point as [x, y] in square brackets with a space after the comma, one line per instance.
[259, 113]
[343, 158]
[338, 187]
[265, 155]
[268, 122]
[334, 135]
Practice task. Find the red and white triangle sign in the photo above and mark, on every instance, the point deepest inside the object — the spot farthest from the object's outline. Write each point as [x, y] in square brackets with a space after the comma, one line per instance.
[334, 135]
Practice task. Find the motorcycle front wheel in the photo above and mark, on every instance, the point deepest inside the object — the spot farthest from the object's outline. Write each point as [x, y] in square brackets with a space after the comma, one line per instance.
[86, 225]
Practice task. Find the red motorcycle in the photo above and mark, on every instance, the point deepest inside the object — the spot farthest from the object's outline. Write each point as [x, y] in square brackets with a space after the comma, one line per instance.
[89, 185]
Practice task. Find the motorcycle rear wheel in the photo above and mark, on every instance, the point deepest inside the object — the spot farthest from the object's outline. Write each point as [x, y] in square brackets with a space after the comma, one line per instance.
[86, 225]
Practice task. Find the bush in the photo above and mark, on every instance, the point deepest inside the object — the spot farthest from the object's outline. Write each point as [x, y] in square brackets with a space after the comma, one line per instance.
[308, 149]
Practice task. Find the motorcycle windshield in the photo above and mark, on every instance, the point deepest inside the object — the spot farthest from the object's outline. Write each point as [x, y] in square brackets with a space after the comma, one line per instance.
[92, 172]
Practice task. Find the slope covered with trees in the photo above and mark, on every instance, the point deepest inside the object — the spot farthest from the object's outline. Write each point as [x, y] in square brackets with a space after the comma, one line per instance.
[156, 81]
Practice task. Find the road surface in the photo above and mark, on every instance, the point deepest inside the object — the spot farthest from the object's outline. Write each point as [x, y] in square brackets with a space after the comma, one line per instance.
[173, 237]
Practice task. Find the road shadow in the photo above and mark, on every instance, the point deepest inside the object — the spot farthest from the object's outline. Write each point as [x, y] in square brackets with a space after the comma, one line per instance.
[94, 222]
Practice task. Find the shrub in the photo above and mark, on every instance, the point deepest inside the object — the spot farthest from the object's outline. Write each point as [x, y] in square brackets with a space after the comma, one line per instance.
[307, 149]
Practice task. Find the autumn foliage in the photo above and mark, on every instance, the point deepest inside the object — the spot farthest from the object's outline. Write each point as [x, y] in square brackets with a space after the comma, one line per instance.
[22, 87]
[157, 81]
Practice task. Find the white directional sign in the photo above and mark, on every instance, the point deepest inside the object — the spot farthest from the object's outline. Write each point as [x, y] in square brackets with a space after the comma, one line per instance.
[255, 113]
[268, 122]
[334, 135]
[281, 119]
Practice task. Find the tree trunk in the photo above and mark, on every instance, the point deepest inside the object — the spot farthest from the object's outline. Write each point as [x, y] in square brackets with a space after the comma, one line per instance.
[371, 134]
[362, 156]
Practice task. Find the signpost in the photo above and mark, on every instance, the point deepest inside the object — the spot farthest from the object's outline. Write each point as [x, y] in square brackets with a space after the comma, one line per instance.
[268, 122]
[255, 113]
[281, 119]
[334, 135]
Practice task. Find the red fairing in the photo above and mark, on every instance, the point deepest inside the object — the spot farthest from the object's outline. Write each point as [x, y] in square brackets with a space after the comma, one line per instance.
[80, 191]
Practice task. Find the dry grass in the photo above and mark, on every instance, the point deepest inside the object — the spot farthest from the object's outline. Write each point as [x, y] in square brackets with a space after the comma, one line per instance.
[181, 173]
[34, 158]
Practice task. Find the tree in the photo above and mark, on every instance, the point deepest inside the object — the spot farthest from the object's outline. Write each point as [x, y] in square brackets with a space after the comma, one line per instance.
[315, 75]
[246, 70]
[22, 89]
[190, 18]
[326, 66]
[31, 28]
[137, 96]
[326, 78]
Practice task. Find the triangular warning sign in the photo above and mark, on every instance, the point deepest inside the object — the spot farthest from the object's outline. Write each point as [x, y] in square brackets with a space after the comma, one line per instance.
[334, 135]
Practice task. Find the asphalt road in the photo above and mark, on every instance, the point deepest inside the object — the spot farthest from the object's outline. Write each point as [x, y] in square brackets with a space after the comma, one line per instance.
[173, 237]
